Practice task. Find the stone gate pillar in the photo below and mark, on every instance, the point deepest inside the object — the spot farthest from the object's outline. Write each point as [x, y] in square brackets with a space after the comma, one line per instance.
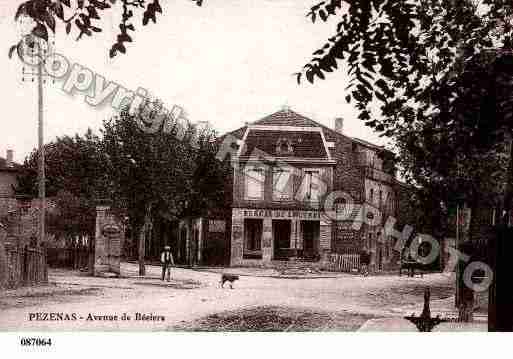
[109, 240]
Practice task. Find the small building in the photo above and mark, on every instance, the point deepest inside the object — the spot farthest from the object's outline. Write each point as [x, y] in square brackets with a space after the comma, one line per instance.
[19, 213]
[9, 171]
[286, 169]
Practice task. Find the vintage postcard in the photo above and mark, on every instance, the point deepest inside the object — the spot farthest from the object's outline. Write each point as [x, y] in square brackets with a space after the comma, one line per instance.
[255, 166]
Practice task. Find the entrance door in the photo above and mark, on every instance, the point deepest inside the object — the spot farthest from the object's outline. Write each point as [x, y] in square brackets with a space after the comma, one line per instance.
[310, 230]
[281, 236]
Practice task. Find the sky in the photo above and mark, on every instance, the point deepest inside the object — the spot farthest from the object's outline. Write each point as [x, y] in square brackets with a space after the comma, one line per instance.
[227, 62]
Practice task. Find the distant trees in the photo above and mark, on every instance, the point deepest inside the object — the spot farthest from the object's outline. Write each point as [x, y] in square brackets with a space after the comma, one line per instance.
[168, 173]
[149, 172]
[75, 178]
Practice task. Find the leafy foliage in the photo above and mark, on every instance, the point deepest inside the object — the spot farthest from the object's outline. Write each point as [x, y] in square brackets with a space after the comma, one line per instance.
[85, 16]
[440, 72]
[160, 175]
[146, 169]
[398, 53]
[175, 175]
[75, 179]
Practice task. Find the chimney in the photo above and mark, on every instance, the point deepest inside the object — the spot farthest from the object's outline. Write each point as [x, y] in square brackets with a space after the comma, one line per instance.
[339, 125]
[9, 161]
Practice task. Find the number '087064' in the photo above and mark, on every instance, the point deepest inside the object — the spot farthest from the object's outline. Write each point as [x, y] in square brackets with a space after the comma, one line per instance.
[37, 342]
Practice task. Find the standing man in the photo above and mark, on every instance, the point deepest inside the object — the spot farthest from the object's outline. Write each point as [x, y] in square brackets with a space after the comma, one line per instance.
[166, 258]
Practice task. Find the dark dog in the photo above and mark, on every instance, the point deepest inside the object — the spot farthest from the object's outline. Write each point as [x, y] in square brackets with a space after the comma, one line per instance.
[228, 278]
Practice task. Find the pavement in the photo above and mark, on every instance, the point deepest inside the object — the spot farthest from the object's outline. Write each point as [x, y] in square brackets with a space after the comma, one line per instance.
[146, 303]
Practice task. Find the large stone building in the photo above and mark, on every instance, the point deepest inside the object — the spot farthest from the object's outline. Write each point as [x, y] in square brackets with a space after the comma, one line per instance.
[286, 169]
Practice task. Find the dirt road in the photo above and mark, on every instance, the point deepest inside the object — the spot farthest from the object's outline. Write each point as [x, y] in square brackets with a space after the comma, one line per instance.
[76, 302]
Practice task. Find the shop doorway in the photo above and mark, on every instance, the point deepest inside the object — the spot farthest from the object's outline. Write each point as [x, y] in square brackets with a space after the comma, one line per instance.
[281, 236]
[253, 238]
[310, 231]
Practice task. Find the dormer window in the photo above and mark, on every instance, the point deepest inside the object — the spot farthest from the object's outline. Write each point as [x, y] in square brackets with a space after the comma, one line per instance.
[284, 147]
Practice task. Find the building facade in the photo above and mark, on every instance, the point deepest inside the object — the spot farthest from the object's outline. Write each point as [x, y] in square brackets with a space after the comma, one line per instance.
[302, 192]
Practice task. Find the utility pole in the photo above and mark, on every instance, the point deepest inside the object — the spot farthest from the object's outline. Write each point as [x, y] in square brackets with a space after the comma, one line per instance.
[458, 269]
[41, 147]
[27, 55]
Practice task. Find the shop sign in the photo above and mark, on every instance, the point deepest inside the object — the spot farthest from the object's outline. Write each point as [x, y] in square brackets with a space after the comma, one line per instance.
[279, 214]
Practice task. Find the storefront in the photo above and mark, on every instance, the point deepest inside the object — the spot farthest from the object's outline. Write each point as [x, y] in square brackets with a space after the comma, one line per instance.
[262, 236]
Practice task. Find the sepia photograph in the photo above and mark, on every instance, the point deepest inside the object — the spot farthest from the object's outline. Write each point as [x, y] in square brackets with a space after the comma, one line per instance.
[264, 167]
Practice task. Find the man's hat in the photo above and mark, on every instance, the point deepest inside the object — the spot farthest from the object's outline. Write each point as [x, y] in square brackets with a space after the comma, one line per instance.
[167, 248]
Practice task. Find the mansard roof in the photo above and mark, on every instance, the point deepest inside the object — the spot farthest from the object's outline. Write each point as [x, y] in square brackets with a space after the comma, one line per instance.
[276, 143]
[287, 117]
